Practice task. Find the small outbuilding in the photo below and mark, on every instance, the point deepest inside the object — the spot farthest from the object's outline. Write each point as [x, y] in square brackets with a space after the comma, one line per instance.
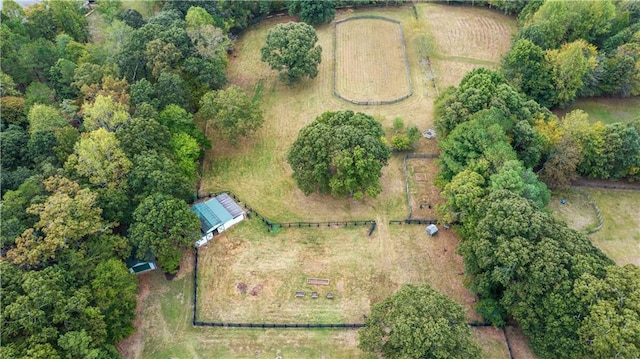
[218, 214]
[137, 266]
[432, 229]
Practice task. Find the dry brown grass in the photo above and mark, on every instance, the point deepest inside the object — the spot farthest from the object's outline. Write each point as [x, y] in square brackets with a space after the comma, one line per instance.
[370, 61]
[463, 38]
[425, 196]
[578, 212]
[257, 170]
[468, 32]
[492, 342]
[518, 342]
[619, 238]
[363, 270]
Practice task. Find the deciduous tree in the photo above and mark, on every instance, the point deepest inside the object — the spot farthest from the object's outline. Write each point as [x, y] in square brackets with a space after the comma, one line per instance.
[312, 12]
[165, 226]
[66, 218]
[340, 152]
[291, 50]
[418, 322]
[99, 158]
[231, 112]
[105, 113]
[45, 118]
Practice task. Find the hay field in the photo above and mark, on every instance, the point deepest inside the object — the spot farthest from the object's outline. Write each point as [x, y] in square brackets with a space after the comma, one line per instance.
[463, 38]
[370, 61]
[250, 276]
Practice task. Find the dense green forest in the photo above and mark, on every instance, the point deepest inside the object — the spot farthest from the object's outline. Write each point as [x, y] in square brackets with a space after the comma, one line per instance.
[101, 140]
[502, 148]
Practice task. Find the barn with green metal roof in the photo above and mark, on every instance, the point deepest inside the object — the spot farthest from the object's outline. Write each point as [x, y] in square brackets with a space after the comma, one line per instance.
[217, 214]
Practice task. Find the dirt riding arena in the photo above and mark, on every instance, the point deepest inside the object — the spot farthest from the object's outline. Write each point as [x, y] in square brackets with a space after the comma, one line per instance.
[371, 61]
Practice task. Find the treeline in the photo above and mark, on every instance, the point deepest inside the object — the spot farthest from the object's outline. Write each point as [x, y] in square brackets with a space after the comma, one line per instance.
[569, 298]
[100, 153]
[569, 49]
[558, 150]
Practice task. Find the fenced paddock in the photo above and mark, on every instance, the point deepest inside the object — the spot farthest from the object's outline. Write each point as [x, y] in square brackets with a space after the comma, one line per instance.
[250, 276]
[371, 64]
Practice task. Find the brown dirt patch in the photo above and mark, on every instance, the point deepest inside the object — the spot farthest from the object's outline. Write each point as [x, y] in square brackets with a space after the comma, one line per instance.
[425, 196]
[492, 342]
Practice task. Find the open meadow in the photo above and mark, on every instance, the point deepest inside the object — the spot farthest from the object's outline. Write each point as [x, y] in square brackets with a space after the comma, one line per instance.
[619, 237]
[271, 267]
[606, 110]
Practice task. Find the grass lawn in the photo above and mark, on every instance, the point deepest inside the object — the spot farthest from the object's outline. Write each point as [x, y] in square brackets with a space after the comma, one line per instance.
[619, 238]
[606, 110]
[146, 8]
[577, 212]
[362, 270]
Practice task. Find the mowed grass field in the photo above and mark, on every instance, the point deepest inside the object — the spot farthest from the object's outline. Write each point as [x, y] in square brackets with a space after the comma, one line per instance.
[370, 61]
[619, 238]
[257, 172]
[577, 212]
[461, 38]
[606, 110]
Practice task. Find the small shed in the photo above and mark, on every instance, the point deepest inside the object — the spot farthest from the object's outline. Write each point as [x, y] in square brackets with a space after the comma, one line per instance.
[218, 214]
[432, 229]
[137, 266]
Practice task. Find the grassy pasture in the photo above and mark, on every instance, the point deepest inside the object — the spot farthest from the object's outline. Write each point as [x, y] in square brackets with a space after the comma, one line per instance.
[362, 271]
[257, 172]
[462, 38]
[370, 61]
[606, 110]
[619, 238]
[577, 212]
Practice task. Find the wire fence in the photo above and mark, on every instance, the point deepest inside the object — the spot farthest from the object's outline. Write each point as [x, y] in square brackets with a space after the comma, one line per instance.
[280, 325]
[629, 187]
[506, 339]
[273, 225]
[404, 53]
[414, 221]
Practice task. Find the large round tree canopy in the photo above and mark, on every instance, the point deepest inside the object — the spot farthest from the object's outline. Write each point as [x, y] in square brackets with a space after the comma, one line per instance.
[418, 322]
[341, 153]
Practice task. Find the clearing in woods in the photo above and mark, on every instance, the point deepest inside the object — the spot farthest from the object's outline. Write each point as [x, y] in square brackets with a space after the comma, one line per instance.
[370, 61]
[619, 238]
[256, 170]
